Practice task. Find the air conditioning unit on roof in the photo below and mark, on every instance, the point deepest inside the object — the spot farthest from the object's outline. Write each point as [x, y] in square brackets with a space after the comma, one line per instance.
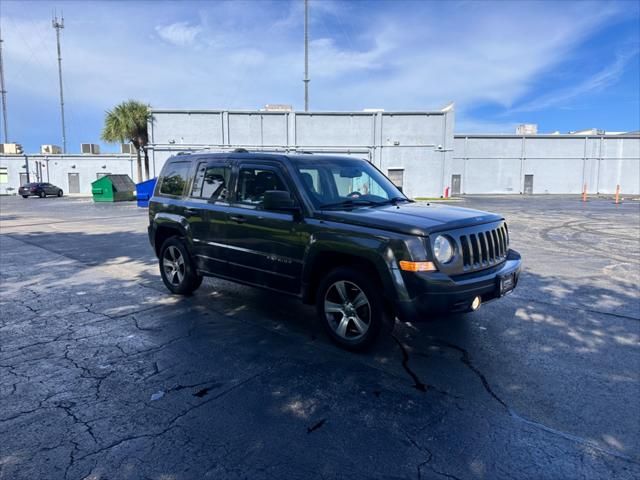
[127, 148]
[89, 148]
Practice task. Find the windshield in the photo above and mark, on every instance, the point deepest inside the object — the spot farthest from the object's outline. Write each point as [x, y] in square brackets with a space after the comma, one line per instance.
[345, 183]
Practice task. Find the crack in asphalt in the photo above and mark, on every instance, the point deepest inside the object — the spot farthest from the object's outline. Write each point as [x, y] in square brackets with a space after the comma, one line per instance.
[316, 426]
[417, 383]
[465, 358]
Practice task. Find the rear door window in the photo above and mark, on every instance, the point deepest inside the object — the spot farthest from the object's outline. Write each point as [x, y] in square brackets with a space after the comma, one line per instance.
[211, 181]
[174, 179]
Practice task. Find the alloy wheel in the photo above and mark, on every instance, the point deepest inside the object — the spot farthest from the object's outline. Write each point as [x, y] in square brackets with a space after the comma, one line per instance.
[173, 265]
[347, 310]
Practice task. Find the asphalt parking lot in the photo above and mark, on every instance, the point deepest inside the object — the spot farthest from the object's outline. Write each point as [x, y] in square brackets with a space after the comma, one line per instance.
[104, 375]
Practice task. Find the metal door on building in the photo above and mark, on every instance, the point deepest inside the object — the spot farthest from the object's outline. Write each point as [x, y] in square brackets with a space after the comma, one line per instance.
[528, 184]
[24, 179]
[456, 182]
[74, 183]
[396, 175]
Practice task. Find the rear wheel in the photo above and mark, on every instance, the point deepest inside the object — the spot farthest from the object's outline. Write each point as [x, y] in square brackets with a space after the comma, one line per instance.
[351, 309]
[42, 194]
[176, 268]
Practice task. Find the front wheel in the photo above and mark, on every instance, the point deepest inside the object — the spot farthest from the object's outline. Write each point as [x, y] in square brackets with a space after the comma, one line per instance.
[176, 268]
[42, 194]
[351, 309]
[25, 196]
[59, 193]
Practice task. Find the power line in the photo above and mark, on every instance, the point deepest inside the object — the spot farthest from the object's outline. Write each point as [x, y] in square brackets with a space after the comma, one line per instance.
[59, 25]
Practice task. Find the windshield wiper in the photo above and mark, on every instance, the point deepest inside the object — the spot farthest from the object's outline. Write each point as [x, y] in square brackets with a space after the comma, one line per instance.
[351, 202]
[395, 200]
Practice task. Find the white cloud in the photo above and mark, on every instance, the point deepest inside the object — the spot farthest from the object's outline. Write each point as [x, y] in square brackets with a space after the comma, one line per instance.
[181, 34]
[597, 82]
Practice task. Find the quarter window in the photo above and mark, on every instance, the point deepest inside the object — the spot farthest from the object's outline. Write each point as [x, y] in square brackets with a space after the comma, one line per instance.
[253, 182]
[175, 179]
[211, 182]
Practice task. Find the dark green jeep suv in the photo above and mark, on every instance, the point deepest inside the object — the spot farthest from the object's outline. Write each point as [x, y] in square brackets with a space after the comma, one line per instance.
[330, 230]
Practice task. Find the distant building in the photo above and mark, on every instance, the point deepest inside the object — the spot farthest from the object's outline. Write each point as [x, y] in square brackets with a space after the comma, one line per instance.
[588, 131]
[527, 129]
[277, 107]
[53, 149]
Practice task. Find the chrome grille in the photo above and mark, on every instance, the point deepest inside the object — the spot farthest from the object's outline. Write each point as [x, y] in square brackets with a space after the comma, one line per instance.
[484, 248]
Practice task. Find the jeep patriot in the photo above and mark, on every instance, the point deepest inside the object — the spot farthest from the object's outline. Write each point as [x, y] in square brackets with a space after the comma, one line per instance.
[333, 231]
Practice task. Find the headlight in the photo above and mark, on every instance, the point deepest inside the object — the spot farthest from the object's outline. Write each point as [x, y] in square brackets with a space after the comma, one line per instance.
[442, 249]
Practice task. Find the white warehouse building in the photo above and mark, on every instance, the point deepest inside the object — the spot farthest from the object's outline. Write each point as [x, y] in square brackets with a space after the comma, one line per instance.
[417, 150]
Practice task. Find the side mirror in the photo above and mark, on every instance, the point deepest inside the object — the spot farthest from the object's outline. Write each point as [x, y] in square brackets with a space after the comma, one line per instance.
[279, 201]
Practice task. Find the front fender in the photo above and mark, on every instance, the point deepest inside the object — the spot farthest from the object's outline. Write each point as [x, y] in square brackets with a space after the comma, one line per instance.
[380, 250]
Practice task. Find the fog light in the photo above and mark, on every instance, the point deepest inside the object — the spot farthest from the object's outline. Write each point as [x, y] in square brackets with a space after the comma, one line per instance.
[476, 303]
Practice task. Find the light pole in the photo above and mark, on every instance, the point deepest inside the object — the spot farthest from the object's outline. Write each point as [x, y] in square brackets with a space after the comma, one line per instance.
[306, 56]
[4, 97]
[59, 25]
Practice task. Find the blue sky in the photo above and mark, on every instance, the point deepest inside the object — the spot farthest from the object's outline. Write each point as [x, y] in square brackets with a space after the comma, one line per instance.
[564, 65]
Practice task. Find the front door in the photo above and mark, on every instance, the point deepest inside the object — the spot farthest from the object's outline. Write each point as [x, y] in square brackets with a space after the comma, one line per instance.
[74, 183]
[263, 247]
[456, 181]
[528, 184]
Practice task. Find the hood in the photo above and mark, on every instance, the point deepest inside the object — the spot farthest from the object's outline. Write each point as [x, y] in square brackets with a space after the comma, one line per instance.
[412, 219]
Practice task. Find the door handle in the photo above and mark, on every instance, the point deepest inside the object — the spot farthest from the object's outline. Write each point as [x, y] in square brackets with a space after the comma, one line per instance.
[189, 212]
[237, 218]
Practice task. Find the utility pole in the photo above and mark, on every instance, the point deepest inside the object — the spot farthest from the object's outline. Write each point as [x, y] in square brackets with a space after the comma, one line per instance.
[59, 25]
[4, 95]
[306, 55]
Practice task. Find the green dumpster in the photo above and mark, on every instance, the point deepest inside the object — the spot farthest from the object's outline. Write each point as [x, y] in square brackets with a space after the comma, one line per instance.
[113, 188]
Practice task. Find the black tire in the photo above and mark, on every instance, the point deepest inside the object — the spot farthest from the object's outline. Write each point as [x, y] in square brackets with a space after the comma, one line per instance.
[345, 325]
[42, 194]
[179, 277]
[25, 196]
[59, 193]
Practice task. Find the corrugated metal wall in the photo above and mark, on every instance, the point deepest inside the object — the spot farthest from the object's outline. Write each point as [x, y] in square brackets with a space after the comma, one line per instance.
[558, 163]
[419, 146]
[414, 141]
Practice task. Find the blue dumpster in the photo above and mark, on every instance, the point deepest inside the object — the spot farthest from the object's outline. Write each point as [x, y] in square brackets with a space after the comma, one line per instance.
[144, 191]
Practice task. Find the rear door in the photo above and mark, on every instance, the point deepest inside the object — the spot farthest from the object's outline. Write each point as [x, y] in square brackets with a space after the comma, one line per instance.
[205, 211]
[74, 182]
[263, 247]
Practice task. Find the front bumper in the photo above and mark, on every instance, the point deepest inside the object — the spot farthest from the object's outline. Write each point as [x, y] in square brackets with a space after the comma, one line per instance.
[439, 293]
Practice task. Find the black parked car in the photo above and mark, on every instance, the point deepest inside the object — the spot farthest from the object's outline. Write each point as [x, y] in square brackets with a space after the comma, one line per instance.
[333, 231]
[39, 189]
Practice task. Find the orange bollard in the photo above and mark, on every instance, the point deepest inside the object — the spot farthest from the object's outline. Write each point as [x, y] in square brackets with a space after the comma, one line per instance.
[584, 193]
[617, 194]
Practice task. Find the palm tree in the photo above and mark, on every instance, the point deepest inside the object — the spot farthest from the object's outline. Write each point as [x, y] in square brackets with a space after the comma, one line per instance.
[127, 122]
